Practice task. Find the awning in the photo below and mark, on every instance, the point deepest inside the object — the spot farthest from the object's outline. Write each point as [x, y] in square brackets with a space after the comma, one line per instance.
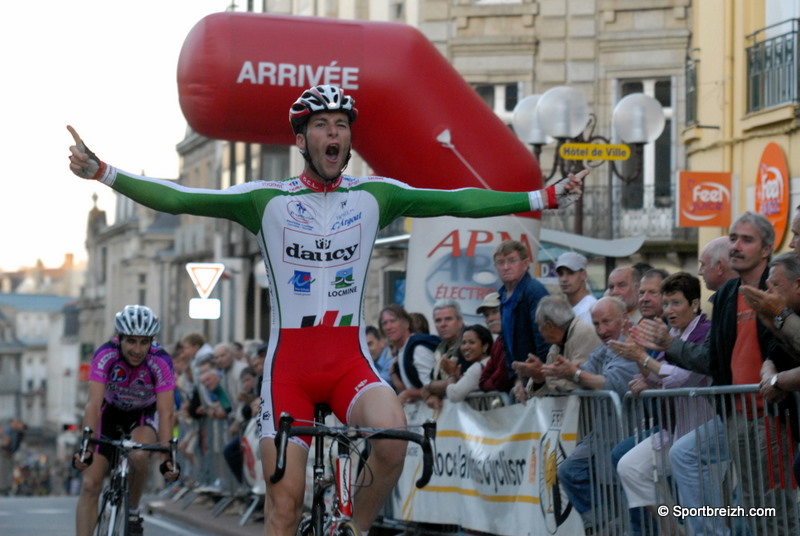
[554, 243]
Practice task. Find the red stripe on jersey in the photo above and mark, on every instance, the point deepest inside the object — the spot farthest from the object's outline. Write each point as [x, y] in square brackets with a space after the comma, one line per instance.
[329, 319]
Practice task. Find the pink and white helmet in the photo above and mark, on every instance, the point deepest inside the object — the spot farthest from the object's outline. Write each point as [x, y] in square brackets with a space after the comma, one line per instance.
[324, 98]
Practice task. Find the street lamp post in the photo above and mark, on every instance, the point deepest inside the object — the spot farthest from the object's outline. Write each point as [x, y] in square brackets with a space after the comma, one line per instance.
[562, 114]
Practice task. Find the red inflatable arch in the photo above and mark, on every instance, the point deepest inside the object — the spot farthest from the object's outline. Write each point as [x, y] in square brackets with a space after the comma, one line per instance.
[238, 73]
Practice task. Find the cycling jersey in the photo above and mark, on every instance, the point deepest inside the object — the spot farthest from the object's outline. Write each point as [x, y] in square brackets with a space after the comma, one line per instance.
[131, 388]
[316, 241]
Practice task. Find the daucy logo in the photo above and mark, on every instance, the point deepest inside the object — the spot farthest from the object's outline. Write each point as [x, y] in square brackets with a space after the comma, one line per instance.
[301, 282]
[315, 251]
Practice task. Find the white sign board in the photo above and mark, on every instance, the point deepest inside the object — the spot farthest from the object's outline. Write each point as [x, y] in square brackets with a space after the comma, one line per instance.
[204, 308]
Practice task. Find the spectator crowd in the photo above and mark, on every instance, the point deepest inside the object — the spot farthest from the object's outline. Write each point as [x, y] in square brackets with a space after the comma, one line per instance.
[645, 331]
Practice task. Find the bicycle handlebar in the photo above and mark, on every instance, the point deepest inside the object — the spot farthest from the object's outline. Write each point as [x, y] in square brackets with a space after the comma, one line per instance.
[281, 440]
[125, 444]
[286, 430]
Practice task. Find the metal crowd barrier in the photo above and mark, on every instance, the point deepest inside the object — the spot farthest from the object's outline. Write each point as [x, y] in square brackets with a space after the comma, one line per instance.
[721, 461]
[600, 428]
[733, 474]
[207, 474]
[486, 400]
[730, 472]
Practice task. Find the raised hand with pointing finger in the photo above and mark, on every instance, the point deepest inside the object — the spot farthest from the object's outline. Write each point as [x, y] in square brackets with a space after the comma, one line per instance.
[83, 162]
[570, 188]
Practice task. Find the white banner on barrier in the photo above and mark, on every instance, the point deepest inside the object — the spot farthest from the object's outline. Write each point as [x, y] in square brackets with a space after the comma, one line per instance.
[495, 471]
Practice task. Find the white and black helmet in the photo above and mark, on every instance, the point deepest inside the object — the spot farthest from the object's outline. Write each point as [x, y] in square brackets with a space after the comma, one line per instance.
[324, 98]
[137, 320]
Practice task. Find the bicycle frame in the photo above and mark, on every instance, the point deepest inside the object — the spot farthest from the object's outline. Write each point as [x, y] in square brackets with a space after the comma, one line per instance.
[342, 504]
[114, 498]
[339, 521]
[112, 517]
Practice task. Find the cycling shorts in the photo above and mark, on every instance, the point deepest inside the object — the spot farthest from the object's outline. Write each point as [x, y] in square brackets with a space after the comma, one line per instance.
[114, 423]
[319, 364]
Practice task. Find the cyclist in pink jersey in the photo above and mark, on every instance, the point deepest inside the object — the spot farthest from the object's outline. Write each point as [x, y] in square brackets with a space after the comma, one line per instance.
[316, 234]
[131, 386]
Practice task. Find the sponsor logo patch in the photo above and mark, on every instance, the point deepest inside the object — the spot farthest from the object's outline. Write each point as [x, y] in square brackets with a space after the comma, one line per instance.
[344, 278]
[118, 375]
[301, 212]
[301, 281]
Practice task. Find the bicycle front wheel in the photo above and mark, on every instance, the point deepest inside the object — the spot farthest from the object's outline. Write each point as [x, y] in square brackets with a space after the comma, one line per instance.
[113, 516]
[306, 527]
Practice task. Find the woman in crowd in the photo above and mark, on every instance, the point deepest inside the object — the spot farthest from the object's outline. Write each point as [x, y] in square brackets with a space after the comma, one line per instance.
[638, 467]
[475, 344]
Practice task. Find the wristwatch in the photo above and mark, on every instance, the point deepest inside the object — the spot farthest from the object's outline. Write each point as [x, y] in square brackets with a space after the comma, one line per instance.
[773, 382]
[577, 377]
[782, 316]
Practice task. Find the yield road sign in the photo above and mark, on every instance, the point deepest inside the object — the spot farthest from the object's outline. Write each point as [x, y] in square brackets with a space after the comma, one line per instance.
[205, 276]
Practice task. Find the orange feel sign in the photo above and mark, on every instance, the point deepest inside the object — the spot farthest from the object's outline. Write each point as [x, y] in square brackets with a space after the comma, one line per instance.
[772, 189]
[705, 199]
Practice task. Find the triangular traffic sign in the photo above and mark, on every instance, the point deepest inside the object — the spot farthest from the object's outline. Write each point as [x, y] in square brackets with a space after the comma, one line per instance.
[205, 276]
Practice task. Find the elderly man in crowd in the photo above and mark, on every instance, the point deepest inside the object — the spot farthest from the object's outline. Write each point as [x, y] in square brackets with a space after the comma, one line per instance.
[623, 282]
[713, 263]
[570, 338]
[449, 324]
[589, 463]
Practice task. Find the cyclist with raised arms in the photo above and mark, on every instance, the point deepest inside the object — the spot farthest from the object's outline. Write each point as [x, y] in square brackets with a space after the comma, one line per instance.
[316, 233]
[131, 386]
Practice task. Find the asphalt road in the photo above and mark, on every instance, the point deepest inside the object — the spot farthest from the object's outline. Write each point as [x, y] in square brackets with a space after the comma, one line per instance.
[55, 516]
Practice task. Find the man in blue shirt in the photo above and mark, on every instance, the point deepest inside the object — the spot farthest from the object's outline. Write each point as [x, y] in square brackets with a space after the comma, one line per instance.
[519, 298]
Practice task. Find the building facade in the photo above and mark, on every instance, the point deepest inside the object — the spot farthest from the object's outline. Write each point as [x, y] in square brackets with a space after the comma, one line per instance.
[39, 365]
[743, 96]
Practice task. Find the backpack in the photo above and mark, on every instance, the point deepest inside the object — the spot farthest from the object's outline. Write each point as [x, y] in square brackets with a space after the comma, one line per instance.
[430, 342]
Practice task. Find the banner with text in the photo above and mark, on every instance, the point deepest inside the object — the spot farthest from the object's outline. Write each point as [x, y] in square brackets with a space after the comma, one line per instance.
[495, 471]
[453, 258]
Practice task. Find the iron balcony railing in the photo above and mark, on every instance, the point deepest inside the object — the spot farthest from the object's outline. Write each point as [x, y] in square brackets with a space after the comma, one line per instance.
[772, 69]
[621, 212]
[691, 92]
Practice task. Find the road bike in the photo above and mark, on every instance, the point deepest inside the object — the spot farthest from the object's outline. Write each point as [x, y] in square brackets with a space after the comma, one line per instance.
[338, 520]
[112, 517]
